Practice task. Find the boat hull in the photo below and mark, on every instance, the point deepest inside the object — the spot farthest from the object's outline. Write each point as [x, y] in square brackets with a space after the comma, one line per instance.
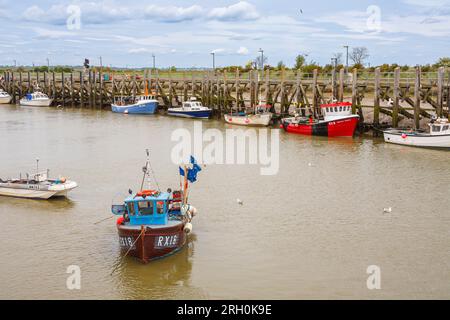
[198, 114]
[144, 108]
[344, 127]
[36, 103]
[36, 192]
[5, 100]
[417, 139]
[249, 120]
[148, 243]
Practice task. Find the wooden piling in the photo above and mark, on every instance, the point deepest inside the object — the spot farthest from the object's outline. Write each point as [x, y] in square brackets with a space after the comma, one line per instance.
[417, 99]
[396, 97]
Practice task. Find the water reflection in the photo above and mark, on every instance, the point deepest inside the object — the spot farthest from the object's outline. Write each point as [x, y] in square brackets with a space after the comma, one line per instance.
[167, 278]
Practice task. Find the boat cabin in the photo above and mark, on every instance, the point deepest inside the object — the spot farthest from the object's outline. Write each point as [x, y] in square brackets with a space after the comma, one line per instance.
[336, 110]
[3, 94]
[36, 95]
[148, 210]
[192, 104]
[440, 126]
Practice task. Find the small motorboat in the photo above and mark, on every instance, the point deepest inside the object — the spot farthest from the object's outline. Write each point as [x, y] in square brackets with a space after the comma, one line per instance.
[191, 109]
[5, 98]
[155, 224]
[338, 121]
[145, 104]
[260, 117]
[36, 186]
[438, 137]
[36, 99]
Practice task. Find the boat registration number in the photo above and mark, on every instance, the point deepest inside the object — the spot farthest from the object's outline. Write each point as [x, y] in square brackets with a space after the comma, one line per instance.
[127, 242]
[166, 241]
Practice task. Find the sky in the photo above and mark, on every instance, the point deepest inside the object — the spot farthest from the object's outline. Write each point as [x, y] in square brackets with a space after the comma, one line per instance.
[184, 33]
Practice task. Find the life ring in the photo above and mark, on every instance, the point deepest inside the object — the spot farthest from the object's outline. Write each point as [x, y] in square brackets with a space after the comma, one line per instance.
[146, 193]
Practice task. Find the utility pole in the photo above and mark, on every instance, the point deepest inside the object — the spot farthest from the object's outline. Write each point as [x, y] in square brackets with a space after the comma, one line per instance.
[48, 63]
[101, 63]
[154, 61]
[346, 60]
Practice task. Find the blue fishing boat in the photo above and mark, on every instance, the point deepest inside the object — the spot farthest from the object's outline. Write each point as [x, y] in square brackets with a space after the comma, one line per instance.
[191, 109]
[155, 224]
[145, 104]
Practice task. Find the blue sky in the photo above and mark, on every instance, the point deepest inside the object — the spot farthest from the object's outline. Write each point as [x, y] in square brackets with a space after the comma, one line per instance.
[183, 33]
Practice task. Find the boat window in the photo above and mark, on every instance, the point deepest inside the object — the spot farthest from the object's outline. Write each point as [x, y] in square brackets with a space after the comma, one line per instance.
[340, 108]
[160, 207]
[145, 207]
[445, 128]
[327, 109]
[436, 128]
[131, 209]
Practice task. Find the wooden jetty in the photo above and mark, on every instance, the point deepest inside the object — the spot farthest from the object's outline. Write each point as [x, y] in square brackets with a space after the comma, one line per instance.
[381, 99]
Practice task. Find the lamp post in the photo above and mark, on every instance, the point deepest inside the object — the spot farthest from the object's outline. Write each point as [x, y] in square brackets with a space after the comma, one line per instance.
[214, 60]
[262, 58]
[346, 60]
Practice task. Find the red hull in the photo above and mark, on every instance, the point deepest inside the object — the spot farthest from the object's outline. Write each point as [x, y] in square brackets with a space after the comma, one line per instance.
[151, 243]
[336, 128]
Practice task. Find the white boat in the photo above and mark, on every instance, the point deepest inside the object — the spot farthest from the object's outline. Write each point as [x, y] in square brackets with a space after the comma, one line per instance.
[5, 98]
[191, 109]
[36, 186]
[261, 117]
[36, 99]
[438, 137]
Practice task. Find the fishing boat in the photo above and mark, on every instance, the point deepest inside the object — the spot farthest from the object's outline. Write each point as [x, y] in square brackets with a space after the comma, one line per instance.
[36, 186]
[338, 121]
[5, 98]
[145, 104]
[191, 109]
[155, 224]
[36, 99]
[438, 137]
[259, 117]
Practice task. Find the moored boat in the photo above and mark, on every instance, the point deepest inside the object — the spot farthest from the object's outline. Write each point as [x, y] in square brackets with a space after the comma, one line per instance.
[145, 104]
[155, 224]
[438, 137]
[36, 99]
[260, 117]
[191, 109]
[5, 98]
[338, 121]
[36, 186]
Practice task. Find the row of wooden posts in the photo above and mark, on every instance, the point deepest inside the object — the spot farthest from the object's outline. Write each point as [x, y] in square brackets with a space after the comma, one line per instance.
[222, 92]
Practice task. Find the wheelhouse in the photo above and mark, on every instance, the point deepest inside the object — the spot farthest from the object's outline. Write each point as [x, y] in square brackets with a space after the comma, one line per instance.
[336, 110]
[150, 210]
[440, 127]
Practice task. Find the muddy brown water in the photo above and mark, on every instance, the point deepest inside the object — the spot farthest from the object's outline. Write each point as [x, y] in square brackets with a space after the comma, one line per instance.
[309, 231]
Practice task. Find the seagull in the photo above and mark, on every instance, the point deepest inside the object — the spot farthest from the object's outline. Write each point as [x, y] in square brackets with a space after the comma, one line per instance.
[387, 210]
[239, 201]
[310, 164]
[301, 11]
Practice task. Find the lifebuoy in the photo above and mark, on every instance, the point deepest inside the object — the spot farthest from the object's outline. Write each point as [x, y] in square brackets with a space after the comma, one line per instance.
[146, 193]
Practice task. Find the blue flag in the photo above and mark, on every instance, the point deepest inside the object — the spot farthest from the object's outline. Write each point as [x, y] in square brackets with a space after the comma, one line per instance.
[181, 171]
[193, 161]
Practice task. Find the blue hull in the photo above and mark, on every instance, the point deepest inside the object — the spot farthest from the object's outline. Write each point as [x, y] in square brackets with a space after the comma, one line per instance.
[203, 114]
[145, 108]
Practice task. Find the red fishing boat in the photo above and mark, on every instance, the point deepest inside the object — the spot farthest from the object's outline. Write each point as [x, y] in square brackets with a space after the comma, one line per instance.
[338, 121]
[155, 224]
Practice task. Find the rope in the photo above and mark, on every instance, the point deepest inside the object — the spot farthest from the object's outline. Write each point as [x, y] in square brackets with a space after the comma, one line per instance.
[132, 245]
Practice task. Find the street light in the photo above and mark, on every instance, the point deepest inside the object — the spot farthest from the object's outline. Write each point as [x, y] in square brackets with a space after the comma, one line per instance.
[262, 58]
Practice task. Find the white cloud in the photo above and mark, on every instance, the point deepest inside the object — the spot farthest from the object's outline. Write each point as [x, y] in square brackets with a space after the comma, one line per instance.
[172, 13]
[242, 51]
[239, 11]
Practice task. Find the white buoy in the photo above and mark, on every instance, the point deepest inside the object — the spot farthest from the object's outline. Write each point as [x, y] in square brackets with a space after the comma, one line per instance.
[387, 210]
[239, 201]
[187, 228]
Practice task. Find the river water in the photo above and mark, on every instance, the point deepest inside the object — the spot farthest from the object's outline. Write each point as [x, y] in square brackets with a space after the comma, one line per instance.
[310, 231]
